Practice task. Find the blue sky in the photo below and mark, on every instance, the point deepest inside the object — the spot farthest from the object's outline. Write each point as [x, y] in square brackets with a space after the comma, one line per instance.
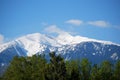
[99, 19]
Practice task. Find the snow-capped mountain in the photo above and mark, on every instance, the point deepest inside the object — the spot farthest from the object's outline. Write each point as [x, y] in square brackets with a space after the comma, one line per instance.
[70, 47]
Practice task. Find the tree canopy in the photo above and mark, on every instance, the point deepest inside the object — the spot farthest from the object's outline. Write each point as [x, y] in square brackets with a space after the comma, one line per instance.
[38, 68]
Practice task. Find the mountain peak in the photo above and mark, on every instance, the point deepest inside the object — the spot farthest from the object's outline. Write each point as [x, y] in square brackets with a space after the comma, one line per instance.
[70, 47]
[33, 42]
[61, 39]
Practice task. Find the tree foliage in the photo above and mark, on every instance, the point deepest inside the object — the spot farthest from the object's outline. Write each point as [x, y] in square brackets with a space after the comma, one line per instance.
[37, 68]
[85, 69]
[56, 69]
[95, 75]
[73, 70]
[106, 70]
[26, 68]
[117, 71]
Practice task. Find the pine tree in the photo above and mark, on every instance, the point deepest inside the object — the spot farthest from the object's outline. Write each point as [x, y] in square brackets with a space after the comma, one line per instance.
[16, 67]
[106, 71]
[26, 68]
[117, 71]
[95, 72]
[56, 69]
[73, 70]
[38, 67]
[85, 69]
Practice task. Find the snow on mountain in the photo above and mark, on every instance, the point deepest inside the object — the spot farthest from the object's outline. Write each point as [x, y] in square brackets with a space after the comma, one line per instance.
[68, 39]
[37, 42]
[70, 47]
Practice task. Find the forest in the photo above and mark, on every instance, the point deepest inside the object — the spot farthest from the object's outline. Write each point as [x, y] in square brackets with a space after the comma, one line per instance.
[38, 68]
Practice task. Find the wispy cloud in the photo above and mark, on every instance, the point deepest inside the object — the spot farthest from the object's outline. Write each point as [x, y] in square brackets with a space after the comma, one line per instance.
[1, 38]
[74, 22]
[99, 23]
[44, 24]
[54, 29]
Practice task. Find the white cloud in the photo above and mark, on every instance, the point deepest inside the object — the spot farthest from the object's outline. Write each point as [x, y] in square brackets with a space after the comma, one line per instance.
[1, 39]
[44, 24]
[54, 29]
[99, 23]
[74, 22]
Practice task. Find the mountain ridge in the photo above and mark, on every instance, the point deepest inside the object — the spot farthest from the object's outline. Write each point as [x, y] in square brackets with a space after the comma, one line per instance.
[37, 40]
[70, 47]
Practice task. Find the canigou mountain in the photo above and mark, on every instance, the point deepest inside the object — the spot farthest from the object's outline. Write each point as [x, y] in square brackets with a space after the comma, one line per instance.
[68, 46]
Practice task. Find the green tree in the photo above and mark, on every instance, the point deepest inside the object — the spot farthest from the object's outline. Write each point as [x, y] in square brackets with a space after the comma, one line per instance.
[73, 70]
[117, 71]
[38, 67]
[95, 72]
[56, 69]
[106, 71]
[15, 68]
[85, 69]
[26, 68]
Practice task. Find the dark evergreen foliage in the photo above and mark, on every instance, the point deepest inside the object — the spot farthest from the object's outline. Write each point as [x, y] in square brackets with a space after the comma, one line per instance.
[85, 69]
[117, 71]
[37, 68]
[56, 69]
[95, 75]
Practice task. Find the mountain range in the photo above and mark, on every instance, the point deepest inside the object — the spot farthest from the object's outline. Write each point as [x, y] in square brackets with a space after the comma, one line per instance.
[68, 46]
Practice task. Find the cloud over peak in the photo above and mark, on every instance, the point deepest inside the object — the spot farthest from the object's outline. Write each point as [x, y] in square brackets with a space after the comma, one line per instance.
[99, 23]
[74, 22]
[54, 29]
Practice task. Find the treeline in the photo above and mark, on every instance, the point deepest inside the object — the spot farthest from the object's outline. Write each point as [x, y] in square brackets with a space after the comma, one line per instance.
[37, 68]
